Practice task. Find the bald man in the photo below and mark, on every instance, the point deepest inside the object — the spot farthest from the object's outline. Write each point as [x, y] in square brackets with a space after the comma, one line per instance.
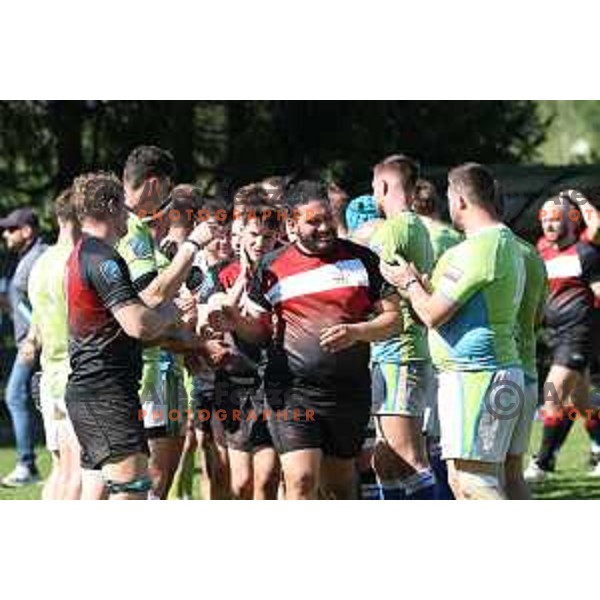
[569, 248]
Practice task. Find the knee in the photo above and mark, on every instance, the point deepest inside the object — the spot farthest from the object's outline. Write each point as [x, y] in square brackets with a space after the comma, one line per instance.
[454, 482]
[266, 480]
[242, 486]
[302, 484]
[477, 486]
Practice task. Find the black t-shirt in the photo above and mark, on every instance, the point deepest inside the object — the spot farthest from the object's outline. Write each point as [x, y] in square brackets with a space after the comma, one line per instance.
[103, 357]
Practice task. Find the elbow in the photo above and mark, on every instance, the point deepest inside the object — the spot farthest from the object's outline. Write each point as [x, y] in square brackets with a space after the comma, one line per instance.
[434, 321]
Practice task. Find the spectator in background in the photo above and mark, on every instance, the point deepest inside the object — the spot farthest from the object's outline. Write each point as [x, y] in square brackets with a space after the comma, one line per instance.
[20, 230]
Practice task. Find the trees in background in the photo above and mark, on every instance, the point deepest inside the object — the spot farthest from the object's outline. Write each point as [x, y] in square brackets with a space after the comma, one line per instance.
[223, 144]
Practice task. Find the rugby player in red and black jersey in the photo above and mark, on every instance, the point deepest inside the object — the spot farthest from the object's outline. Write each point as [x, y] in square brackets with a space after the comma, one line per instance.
[107, 322]
[322, 292]
[254, 465]
[569, 248]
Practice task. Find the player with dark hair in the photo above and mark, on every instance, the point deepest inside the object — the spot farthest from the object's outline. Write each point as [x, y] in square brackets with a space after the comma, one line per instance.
[254, 465]
[322, 292]
[471, 312]
[148, 181]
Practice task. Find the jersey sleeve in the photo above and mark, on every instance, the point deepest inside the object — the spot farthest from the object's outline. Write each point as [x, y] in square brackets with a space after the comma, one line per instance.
[108, 274]
[137, 249]
[591, 263]
[35, 291]
[391, 238]
[378, 287]
[462, 273]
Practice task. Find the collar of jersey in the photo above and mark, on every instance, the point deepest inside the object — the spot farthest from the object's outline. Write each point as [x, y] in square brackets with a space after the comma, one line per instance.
[486, 229]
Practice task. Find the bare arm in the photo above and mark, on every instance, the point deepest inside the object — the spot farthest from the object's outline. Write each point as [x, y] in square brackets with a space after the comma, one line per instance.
[589, 214]
[432, 308]
[167, 283]
[144, 323]
[387, 323]
[255, 328]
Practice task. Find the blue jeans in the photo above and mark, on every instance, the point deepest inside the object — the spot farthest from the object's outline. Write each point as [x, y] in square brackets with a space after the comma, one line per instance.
[20, 406]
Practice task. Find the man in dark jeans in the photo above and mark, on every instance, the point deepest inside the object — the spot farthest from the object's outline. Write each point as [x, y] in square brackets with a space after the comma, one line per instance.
[20, 231]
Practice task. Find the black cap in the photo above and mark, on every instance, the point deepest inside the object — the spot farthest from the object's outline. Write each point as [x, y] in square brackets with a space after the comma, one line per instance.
[19, 218]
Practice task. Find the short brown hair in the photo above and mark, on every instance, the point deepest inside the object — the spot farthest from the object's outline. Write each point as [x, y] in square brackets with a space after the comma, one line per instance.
[426, 201]
[253, 194]
[477, 183]
[265, 214]
[186, 199]
[64, 208]
[405, 168]
[148, 161]
[94, 194]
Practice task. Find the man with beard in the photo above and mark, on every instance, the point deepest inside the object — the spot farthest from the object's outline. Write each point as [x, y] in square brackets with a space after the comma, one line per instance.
[569, 250]
[21, 233]
[471, 312]
[322, 291]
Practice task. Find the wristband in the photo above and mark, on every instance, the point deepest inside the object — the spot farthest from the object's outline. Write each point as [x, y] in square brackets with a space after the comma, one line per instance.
[409, 283]
[196, 245]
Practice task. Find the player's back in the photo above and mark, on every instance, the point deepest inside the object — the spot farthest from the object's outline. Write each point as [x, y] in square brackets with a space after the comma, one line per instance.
[404, 235]
[47, 297]
[442, 236]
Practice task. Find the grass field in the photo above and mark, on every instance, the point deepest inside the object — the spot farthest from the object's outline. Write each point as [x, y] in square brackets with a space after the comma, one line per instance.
[569, 482]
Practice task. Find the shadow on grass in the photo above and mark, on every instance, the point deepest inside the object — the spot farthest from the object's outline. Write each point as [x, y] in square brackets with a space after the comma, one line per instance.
[571, 486]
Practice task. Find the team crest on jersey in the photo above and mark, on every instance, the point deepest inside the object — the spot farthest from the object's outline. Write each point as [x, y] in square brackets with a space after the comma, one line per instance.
[140, 248]
[454, 274]
[110, 271]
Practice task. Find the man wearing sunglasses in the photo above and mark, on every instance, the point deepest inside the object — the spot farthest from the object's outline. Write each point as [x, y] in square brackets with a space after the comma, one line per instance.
[21, 234]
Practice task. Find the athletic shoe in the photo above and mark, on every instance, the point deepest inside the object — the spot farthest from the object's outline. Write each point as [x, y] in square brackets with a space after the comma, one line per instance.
[594, 454]
[20, 476]
[534, 473]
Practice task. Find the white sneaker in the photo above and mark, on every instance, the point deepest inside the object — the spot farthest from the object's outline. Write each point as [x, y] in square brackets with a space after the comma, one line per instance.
[533, 472]
[20, 476]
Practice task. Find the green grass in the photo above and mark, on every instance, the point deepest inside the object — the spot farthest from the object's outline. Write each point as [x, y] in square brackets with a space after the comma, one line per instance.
[569, 482]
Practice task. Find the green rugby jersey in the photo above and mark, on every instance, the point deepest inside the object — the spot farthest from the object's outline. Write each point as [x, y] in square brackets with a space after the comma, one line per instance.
[442, 236]
[532, 305]
[485, 277]
[46, 290]
[138, 250]
[407, 236]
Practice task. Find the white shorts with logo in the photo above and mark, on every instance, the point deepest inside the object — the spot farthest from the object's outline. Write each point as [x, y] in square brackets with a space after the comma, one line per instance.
[164, 407]
[482, 414]
[522, 433]
[400, 389]
[52, 405]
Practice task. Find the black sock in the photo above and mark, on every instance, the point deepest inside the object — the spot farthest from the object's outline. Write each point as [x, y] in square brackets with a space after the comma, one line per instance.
[556, 429]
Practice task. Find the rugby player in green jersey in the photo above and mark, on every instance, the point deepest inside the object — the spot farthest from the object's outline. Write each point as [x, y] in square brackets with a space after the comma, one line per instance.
[471, 311]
